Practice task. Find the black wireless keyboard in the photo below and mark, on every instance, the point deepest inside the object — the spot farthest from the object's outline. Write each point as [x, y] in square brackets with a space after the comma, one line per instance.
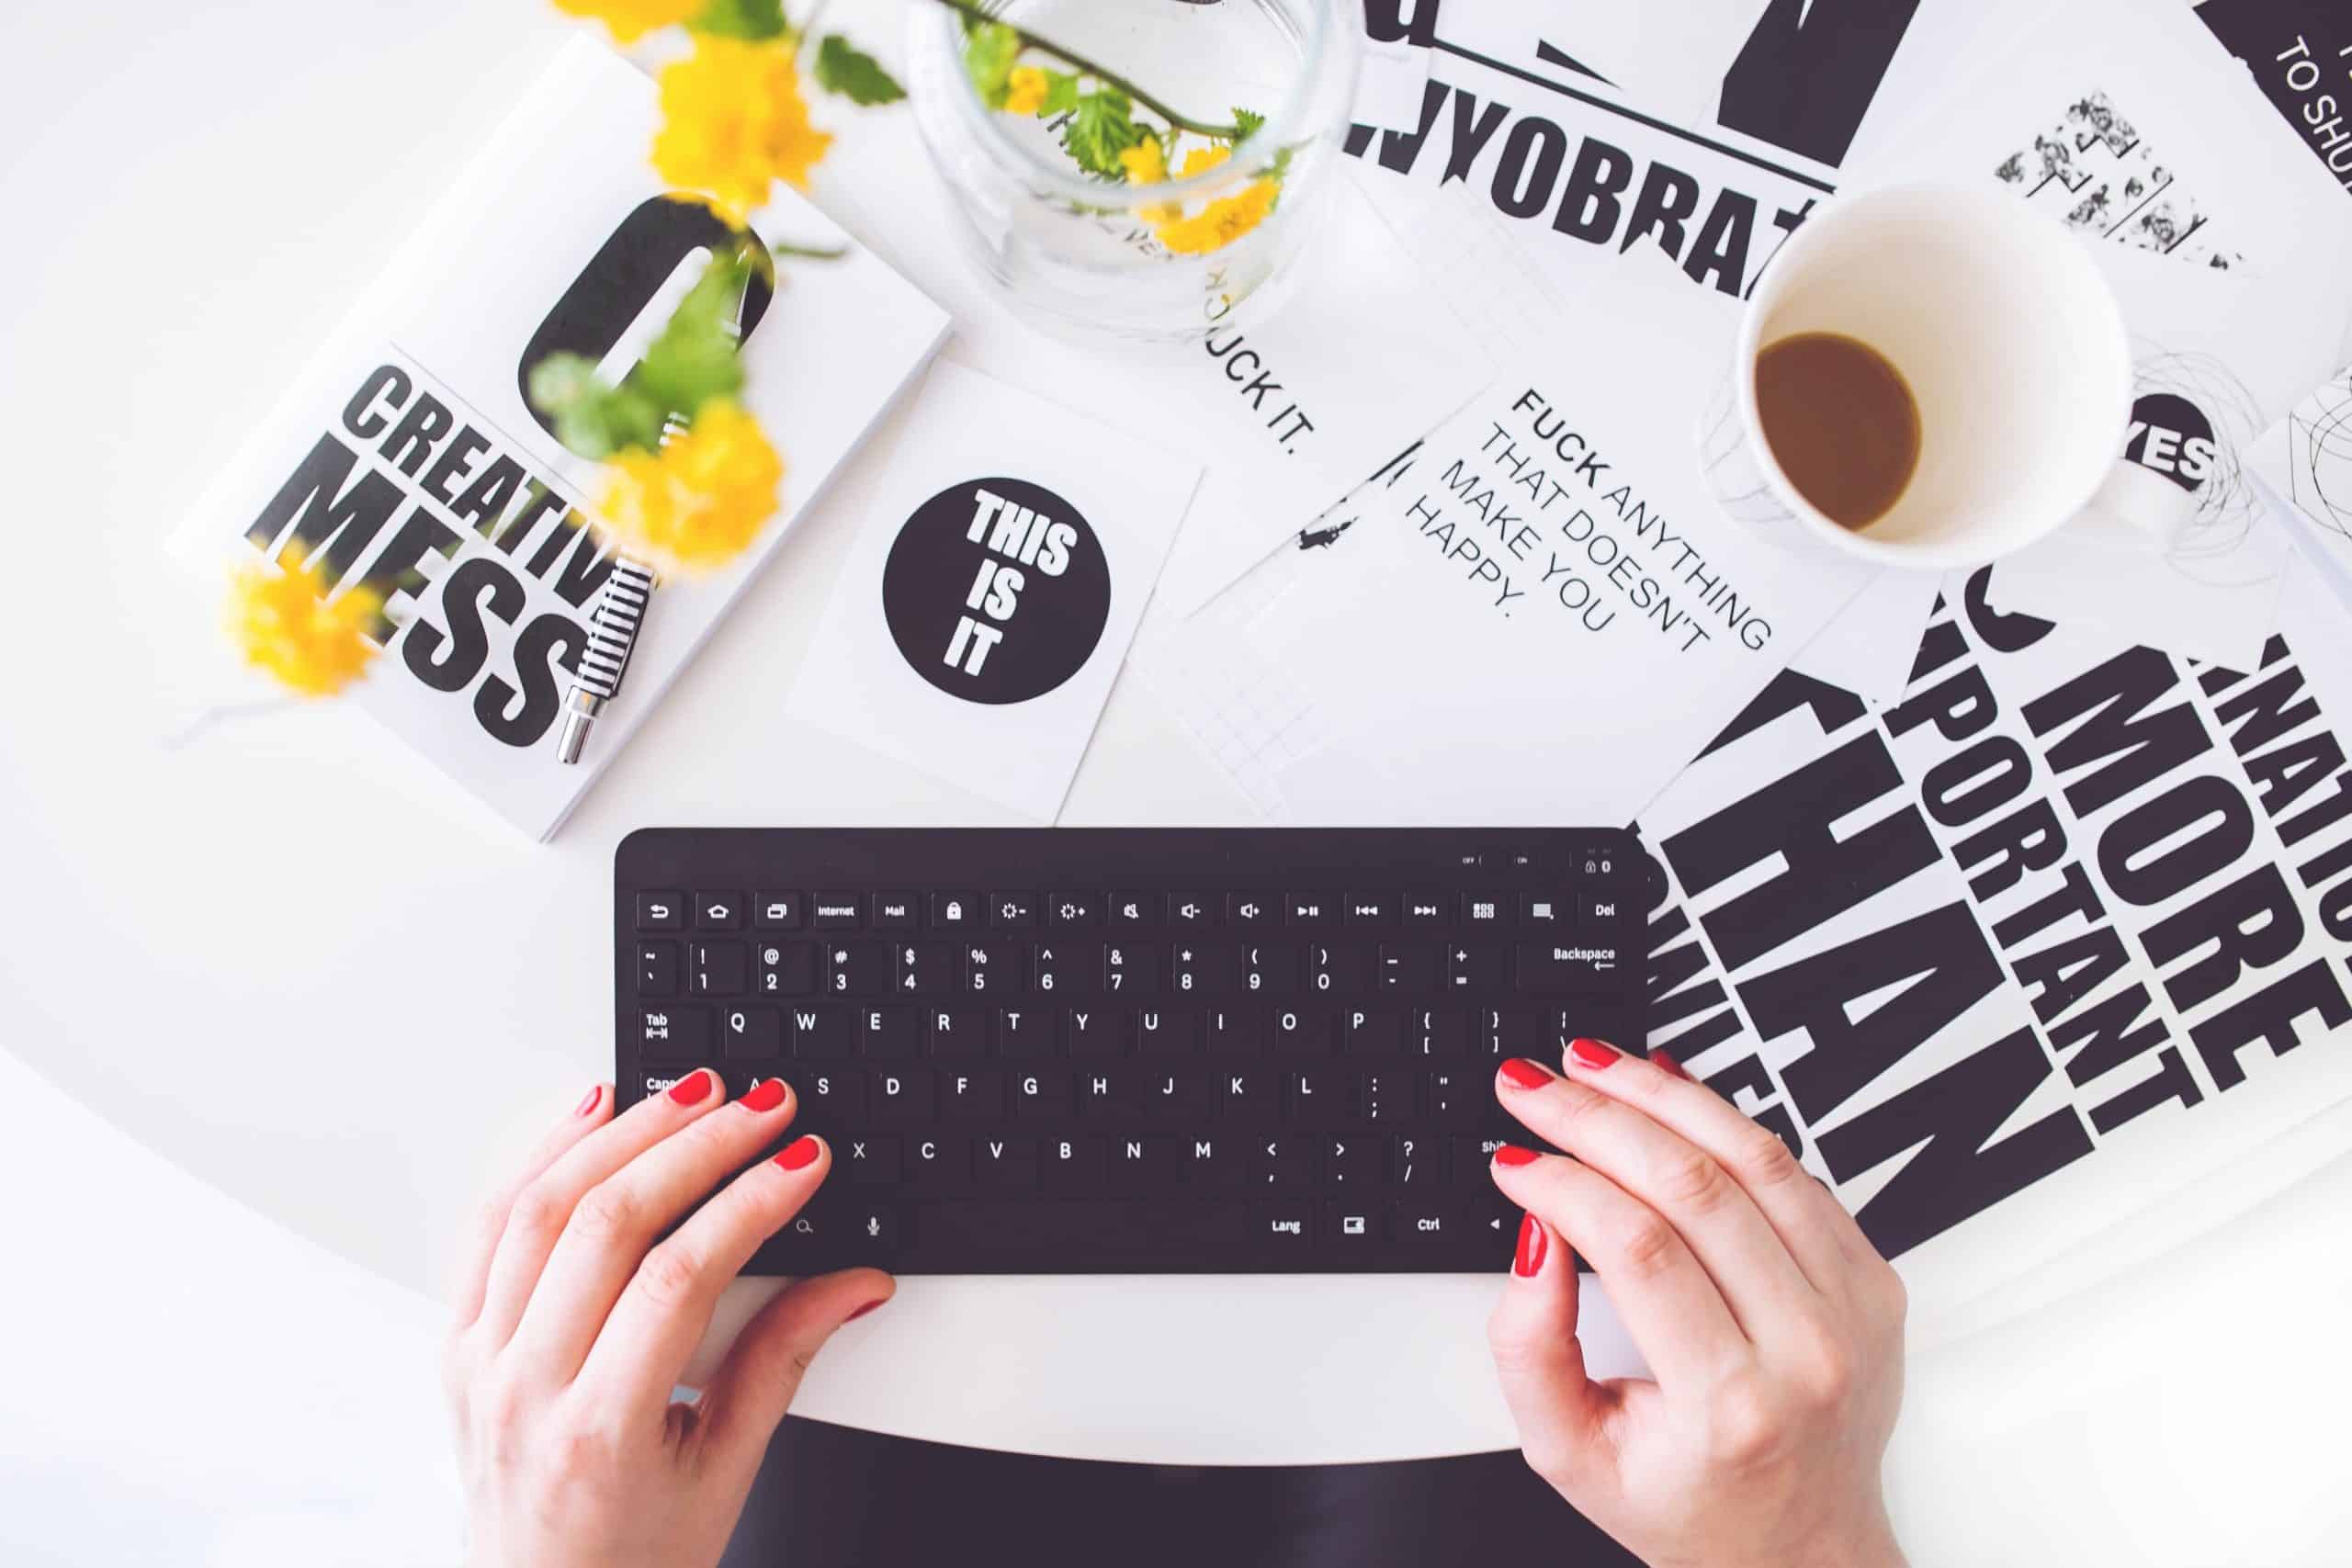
[1078, 1051]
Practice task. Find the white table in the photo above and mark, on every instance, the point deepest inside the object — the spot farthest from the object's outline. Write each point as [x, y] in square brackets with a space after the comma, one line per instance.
[302, 968]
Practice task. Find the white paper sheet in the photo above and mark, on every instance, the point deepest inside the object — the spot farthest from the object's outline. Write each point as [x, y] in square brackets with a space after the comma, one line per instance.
[995, 686]
[2306, 458]
[1428, 671]
[1869, 647]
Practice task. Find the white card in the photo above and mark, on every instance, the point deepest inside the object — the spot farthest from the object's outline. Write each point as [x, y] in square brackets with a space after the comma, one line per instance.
[1550, 616]
[1869, 647]
[990, 599]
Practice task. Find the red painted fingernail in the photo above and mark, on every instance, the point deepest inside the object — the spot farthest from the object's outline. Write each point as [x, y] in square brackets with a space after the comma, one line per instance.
[799, 1154]
[1531, 1249]
[1524, 1074]
[693, 1088]
[1511, 1154]
[764, 1095]
[863, 1310]
[1669, 1065]
[588, 1104]
[1592, 1053]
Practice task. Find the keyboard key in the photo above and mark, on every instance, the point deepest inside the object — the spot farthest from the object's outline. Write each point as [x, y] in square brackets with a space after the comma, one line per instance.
[716, 969]
[657, 968]
[1319, 1097]
[1131, 968]
[1437, 1031]
[1337, 970]
[954, 911]
[1252, 911]
[960, 1031]
[834, 911]
[1415, 1160]
[1004, 1164]
[1410, 968]
[1062, 969]
[1269, 969]
[866, 1161]
[974, 1096]
[1072, 1165]
[1521, 1029]
[1483, 909]
[1250, 1095]
[1570, 966]
[1313, 911]
[1013, 1237]
[1351, 1162]
[923, 969]
[1424, 911]
[719, 911]
[1543, 909]
[673, 1033]
[890, 1033]
[661, 912]
[819, 1033]
[750, 1034]
[868, 1229]
[1423, 1225]
[1167, 1034]
[1073, 910]
[778, 911]
[1142, 1165]
[1200, 969]
[856, 969]
[1474, 1159]
[904, 1095]
[1131, 911]
[1026, 1033]
[1096, 1030]
[1012, 911]
[1596, 909]
[1288, 1228]
[938, 1165]
[1191, 910]
[1041, 1096]
[1373, 1032]
[1179, 1097]
[1474, 967]
[992, 967]
[1236, 1032]
[1457, 1099]
[1385, 1096]
[787, 969]
[1370, 909]
[894, 912]
[1108, 1092]
[1215, 1162]
[831, 1097]
[1302, 1031]
[1351, 1227]
[1282, 1163]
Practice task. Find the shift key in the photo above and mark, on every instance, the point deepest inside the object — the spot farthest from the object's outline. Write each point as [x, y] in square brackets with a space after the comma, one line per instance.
[1566, 967]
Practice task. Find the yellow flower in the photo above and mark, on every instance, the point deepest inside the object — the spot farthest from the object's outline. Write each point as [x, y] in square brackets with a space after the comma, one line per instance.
[733, 120]
[1024, 92]
[285, 624]
[1146, 163]
[701, 500]
[1222, 221]
[630, 20]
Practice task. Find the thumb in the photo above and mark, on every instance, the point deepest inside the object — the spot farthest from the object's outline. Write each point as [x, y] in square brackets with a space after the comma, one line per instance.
[746, 1398]
[1531, 1334]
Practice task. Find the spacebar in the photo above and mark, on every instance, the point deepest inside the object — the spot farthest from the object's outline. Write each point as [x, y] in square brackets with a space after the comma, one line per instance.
[1076, 1234]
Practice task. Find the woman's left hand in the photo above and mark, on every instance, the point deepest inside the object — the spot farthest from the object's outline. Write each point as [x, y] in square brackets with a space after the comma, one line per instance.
[579, 1308]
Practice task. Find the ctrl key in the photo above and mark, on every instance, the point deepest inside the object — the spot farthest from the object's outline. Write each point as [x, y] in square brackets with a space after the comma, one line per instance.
[673, 1033]
[1287, 1229]
[1431, 1225]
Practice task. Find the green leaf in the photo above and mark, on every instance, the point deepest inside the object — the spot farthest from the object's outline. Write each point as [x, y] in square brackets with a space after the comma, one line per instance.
[844, 68]
[1245, 123]
[1061, 95]
[694, 357]
[741, 19]
[1102, 127]
[591, 418]
[989, 56]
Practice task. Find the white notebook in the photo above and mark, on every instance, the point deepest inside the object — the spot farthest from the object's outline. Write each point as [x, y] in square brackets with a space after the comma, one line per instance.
[406, 453]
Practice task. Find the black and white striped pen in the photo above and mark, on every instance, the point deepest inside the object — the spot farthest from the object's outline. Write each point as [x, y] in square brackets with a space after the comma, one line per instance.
[613, 627]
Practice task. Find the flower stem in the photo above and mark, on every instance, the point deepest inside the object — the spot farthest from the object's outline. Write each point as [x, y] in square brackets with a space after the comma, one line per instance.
[1077, 61]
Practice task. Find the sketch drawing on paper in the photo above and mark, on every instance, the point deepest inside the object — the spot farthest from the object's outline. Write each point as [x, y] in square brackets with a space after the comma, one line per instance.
[2103, 177]
[2319, 459]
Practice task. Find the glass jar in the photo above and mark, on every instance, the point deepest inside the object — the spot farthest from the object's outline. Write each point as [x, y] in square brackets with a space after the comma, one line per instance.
[1153, 254]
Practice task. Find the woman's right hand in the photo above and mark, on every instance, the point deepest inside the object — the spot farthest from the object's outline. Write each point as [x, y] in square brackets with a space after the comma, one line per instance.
[1773, 1327]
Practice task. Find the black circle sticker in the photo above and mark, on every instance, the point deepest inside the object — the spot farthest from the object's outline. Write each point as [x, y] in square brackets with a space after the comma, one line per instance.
[2170, 436]
[996, 591]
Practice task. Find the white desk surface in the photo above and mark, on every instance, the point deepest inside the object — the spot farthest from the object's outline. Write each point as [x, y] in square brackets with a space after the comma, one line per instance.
[298, 966]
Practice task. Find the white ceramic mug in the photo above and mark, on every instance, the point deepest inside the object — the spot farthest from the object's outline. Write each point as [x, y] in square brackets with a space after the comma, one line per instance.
[2010, 341]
